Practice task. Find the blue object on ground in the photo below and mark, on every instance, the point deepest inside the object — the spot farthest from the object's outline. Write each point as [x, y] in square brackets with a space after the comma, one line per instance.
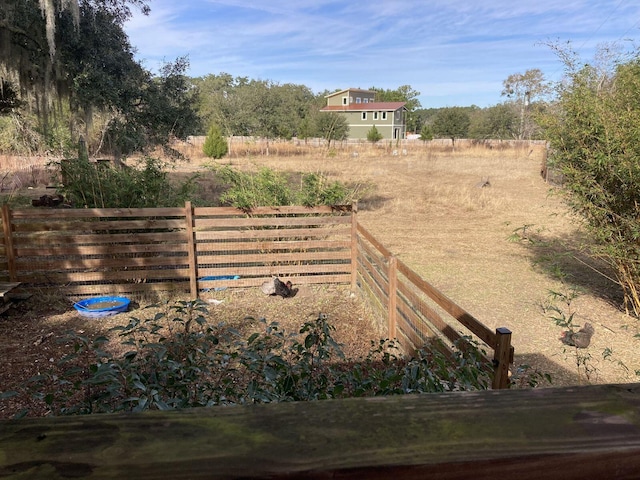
[102, 306]
[218, 277]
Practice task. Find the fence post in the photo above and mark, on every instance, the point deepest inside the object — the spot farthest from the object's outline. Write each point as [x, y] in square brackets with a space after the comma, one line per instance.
[191, 251]
[8, 242]
[501, 358]
[393, 290]
[354, 246]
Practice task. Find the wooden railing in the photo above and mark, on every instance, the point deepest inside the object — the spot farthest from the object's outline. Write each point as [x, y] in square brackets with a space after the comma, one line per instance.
[89, 251]
[417, 313]
[554, 433]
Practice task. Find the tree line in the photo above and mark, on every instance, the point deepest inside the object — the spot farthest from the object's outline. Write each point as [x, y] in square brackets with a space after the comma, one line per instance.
[68, 73]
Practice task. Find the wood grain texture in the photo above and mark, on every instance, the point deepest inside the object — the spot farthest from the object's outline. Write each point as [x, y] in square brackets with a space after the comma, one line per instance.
[563, 433]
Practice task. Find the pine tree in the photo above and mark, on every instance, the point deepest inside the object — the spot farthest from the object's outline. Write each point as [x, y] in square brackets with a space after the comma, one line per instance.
[215, 145]
[374, 135]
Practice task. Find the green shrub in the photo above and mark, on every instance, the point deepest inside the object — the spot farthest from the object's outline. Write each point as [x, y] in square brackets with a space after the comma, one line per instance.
[215, 145]
[268, 187]
[176, 359]
[106, 186]
[373, 135]
[246, 190]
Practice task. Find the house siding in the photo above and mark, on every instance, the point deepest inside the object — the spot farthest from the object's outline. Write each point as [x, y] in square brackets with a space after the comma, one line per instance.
[391, 128]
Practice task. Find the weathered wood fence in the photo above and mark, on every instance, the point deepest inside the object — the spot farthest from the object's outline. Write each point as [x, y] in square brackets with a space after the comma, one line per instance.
[113, 250]
[416, 312]
[190, 249]
[565, 434]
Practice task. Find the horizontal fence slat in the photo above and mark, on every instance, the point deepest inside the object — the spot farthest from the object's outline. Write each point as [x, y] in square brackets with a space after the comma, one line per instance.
[287, 209]
[271, 270]
[128, 276]
[126, 264]
[454, 310]
[109, 249]
[92, 213]
[201, 224]
[99, 289]
[272, 246]
[301, 257]
[47, 238]
[371, 239]
[429, 313]
[290, 233]
[112, 225]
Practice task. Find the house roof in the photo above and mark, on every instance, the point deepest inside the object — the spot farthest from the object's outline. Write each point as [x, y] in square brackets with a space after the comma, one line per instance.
[349, 90]
[362, 107]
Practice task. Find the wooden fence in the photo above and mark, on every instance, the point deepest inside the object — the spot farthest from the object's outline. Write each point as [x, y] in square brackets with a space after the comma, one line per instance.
[417, 313]
[113, 250]
[187, 250]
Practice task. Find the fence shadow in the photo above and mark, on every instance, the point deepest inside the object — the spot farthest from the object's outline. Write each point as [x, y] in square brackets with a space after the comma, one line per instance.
[541, 364]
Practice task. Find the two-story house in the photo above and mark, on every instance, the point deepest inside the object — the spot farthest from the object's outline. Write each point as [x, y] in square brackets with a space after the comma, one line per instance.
[363, 112]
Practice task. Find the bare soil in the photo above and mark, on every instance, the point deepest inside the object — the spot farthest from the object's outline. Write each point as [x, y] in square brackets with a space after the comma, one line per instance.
[34, 335]
[497, 250]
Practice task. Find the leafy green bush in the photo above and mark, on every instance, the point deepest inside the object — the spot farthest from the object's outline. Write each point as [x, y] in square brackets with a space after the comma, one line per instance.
[270, 188]
[215, 145]
[595, 143]
[106, 186]
[373, 135]
[177, 359]
[246, 190]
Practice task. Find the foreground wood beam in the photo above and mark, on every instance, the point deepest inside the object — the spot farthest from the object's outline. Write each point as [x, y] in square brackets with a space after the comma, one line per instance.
[564, 433]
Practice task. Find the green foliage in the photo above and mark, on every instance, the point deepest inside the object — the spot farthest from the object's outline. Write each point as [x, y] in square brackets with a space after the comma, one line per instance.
[451, 123]
[560, 310]
[331, 126]
[215, 145]
[317, 190]
[247, 191]
[177, 359]
[270, 188]
[426, 133]
[254, 107]
[404, 93]
[373, 135]
[496, 122]
[595, 143]
[89, 73]
[106, 186]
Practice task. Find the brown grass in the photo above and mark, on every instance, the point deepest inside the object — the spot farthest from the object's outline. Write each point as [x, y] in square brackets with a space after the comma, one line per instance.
[423, 203]
[426, 207]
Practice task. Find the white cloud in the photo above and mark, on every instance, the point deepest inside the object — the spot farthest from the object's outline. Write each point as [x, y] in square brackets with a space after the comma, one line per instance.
[440, 47]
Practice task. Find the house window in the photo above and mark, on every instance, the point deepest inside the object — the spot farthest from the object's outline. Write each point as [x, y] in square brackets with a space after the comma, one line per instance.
[364, 115]
[375, 115]
[366, 100]
[384, 115]
[345, 100]
[358, 100]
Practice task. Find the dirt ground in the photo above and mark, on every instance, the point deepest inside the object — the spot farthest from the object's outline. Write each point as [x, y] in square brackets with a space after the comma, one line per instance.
[34, 333]
[498, 251]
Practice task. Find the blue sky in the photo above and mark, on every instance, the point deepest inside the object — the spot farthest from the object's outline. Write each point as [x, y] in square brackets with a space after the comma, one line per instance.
[455, 52]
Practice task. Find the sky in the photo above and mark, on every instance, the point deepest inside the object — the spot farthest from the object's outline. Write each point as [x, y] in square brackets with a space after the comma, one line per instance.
[454, 52]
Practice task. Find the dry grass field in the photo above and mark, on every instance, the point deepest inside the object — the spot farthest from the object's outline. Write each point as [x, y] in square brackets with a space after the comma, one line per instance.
[498, 250]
